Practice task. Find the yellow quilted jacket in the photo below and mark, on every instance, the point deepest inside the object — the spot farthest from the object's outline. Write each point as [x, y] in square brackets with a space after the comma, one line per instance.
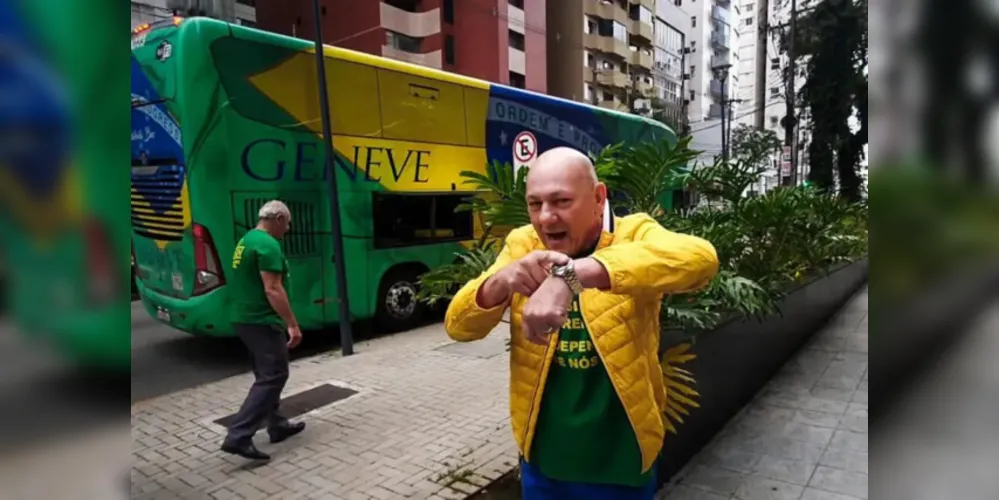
[644, 261]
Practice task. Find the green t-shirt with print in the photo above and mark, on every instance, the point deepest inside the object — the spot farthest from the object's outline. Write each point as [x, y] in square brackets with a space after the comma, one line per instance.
[257, 251]
[583, 433]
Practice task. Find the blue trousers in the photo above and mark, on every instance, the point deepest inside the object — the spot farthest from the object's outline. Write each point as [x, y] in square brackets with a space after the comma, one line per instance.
[535, 486]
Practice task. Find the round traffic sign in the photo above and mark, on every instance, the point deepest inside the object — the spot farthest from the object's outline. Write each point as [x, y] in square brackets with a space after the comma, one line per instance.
[525, 147]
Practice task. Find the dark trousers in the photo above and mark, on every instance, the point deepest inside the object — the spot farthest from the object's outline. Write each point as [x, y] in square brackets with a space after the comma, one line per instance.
[269, 354]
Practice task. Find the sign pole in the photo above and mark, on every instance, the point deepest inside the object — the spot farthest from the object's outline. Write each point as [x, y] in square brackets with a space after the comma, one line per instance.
[346, 333]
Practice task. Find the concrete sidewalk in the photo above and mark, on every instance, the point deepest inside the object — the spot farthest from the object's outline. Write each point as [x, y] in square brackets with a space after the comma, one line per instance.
[804, 437]
[430, 420]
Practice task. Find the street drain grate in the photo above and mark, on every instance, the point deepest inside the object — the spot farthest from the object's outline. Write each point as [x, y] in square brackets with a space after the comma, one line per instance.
[305, 401]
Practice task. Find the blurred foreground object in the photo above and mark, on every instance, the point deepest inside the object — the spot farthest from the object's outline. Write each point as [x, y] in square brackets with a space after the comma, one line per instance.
[64, 239]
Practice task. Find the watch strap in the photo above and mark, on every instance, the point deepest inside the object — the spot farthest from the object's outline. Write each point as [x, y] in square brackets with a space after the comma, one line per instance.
[568, 274]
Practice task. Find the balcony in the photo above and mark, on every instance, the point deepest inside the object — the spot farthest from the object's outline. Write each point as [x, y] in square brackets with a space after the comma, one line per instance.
[642, 30]
[645, 88]
[640, 58]
[721, 60]
[721, 40]
[515, 18]
[607, 45]
[613, 78]
[720, 14]
[606, 10]
[430, 59]
[517, 59]
[414, 24]
[648, 4]
[615, 105]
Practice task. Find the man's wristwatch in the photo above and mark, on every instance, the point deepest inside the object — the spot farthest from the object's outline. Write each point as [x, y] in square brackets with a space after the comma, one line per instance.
[568, 274]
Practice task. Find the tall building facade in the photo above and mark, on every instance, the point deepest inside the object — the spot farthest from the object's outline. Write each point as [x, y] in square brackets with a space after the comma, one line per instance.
[713, 43]
[501, 41]
[601, 51]
[672, 25]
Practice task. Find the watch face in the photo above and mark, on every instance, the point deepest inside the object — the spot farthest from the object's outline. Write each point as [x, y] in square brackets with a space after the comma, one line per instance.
[559, 271]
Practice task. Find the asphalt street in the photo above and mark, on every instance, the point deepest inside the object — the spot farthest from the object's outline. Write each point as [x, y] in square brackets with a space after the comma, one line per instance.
[166, 360]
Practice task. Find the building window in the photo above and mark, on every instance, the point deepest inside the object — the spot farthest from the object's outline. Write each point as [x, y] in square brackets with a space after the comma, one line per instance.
[449, 11]
[402, 42]
[415, 219]
[516, 40]
[591, 61]
[244, 22]
[448, 49]
[249, 3]
[517, 3]
[774, 91]
[607, 96]
[774, 63]
[620, 32]
[588, 93]
[518, 80]
[678, 3]
[592, 27]
[693, 21]
[749, 21]
[642, 14]
[406, 5]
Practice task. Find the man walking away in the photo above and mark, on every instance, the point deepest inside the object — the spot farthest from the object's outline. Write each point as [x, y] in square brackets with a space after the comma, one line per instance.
[260, 313]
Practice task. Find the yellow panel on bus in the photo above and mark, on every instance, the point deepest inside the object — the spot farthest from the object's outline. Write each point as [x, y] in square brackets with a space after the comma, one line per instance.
[420, 109]
[352, 89]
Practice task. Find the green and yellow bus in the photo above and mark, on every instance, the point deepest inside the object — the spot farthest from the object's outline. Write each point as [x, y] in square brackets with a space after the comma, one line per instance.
[226, 117]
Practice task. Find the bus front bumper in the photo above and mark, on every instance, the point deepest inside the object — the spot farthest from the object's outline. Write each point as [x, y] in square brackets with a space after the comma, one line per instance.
[205, 315]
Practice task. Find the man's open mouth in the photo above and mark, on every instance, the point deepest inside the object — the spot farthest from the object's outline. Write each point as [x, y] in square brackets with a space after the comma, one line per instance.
[557, 236]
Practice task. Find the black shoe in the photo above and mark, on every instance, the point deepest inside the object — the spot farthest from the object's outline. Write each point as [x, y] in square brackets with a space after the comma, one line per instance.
[285, 430]
[245, 449]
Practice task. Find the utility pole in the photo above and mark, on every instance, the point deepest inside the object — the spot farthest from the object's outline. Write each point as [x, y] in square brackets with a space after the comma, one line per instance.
[789, 121]
[762, 62]
[721, 74]
[346, 332]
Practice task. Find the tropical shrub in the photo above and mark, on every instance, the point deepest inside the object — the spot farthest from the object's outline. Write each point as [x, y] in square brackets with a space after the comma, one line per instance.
[764, 243]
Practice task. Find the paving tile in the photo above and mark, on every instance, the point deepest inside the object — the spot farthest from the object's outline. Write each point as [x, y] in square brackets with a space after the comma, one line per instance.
[715, 480]
[849, 440]
[683, 492]
[817, 418]
[789, 471]
[845, 459]
[814, 494]
[840, 481]
[760, 488]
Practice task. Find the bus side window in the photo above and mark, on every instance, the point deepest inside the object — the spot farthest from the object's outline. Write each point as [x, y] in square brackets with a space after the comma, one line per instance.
[402, 219]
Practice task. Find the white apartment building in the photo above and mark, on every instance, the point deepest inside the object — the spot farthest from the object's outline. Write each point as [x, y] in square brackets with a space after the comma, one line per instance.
[713, 43]
[671, 33]
[238, 11]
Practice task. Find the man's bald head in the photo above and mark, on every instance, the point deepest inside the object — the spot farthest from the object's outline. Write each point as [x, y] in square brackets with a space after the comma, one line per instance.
[565, 200]
[564, 162]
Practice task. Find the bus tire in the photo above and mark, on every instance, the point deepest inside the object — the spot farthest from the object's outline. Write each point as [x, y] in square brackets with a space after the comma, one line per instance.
[398, 308]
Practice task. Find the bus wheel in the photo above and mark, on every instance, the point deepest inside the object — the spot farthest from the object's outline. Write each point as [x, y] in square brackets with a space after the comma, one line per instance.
[398, 307]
